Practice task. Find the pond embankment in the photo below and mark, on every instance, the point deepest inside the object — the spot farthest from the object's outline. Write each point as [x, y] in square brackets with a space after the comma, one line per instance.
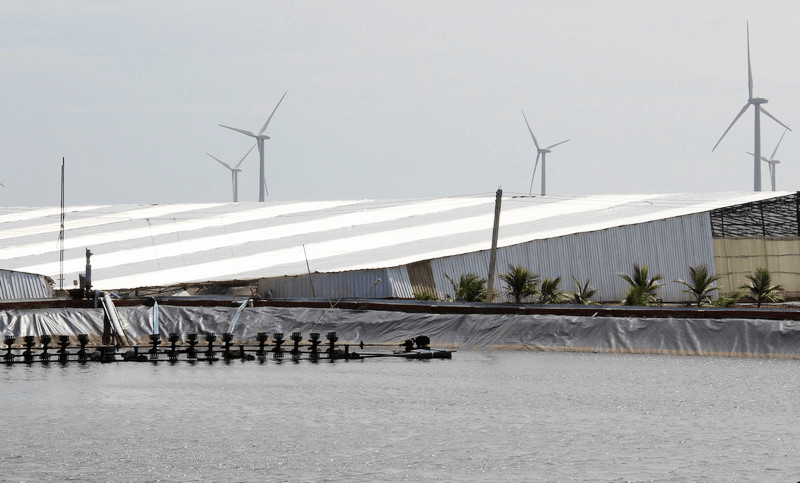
[738, 332]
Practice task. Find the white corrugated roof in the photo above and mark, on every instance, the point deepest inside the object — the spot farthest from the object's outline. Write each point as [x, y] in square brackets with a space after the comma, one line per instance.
[151, 245]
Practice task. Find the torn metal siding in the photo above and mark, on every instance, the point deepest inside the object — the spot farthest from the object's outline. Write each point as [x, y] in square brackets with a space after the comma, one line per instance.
[21, 286]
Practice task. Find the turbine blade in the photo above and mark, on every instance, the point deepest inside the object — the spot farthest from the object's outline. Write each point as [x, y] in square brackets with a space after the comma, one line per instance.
[530, 191]
[220, 161]
[270, 116]
[556, 144]
[248, 152]
[779, 143]
[535, 142]
[248, 133]
[749, 70]
[773, 118]
[734, 122]
[266, 189]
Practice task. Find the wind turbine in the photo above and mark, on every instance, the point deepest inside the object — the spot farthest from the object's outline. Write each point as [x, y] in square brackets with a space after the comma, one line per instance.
[756, 102]
[260, 138]
[234, 173]
[772, 161]
[539, 152]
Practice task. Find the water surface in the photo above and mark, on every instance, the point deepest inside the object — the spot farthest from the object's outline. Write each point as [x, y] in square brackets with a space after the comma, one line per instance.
[524, 416]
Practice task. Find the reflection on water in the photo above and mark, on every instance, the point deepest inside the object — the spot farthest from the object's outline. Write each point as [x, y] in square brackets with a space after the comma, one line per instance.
[481, 416]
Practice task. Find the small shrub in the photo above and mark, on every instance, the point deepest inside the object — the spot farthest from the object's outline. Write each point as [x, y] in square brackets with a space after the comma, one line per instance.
[583, 293]
[425, 294]
[728, 300]
[470, 288]
[549, 292]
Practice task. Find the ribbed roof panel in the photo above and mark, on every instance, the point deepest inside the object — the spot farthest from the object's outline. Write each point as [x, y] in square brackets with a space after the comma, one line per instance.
[149, 245]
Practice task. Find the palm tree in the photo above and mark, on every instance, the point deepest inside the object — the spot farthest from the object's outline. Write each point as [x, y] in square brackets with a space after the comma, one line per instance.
[643, 287]
[761, 288]
[549, 292]
[520, 283]
[583, 293]
[700, 284]
[470, 288]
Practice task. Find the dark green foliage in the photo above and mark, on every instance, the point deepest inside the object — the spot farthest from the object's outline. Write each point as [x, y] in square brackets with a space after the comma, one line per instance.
[470, 288]
[760, 287]
[583, 293]
[425, 294]
[643, 288]
[700, 284]
[549, 292]
[520, 283]
[727, 301]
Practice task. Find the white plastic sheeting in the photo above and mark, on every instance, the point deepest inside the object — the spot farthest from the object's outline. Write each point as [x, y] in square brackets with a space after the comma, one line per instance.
[733, 337]
[142, 245]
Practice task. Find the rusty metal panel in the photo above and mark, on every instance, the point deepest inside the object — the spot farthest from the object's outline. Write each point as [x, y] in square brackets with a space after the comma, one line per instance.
[421, 276]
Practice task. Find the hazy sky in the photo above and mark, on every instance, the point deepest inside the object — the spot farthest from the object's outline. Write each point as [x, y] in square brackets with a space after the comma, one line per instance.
[398, 99]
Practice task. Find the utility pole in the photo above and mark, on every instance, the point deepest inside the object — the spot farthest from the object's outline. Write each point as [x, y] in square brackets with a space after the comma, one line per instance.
[61, 233]
[493, 254]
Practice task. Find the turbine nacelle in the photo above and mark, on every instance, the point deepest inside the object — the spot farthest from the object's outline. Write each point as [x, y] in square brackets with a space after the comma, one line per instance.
[540, 152]
[234, 172]
[771, 161]
[764, 158]
[260, 138]
[756, 103]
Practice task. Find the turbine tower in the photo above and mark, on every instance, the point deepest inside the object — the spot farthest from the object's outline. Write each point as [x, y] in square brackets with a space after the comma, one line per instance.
[260, 138]
[234, 173]
[756, 102]
[539, 152]
[772, 161]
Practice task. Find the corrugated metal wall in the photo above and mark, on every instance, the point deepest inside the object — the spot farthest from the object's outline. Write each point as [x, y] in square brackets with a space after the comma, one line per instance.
[400, 282]
[738, 257]
[668, 247]
[379, 284]
[21, 286]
